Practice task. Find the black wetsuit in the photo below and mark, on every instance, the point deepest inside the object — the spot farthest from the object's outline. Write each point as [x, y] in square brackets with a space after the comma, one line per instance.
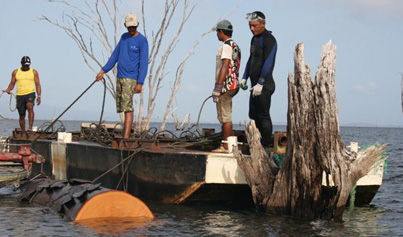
[259, 68]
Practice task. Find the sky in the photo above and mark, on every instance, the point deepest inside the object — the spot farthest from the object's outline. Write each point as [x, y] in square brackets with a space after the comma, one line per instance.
[368, 35]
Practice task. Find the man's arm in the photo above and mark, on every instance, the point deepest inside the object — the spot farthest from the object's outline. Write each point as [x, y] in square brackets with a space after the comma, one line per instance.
[38, 87]
[110, 64]
[12, 83]
[247, 66]
[143, 67]
[246, 73]
[221, 77]
[223, 71]
[270, 50]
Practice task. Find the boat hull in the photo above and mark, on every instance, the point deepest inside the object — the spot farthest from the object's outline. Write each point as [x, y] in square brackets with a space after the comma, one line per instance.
[168, 176]
[12, 174]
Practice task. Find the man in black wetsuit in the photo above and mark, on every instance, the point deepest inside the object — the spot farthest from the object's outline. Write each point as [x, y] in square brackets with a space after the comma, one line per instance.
[259, 69]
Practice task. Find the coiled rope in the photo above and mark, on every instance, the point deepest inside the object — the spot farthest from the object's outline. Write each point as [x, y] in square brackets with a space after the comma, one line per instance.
[11, 98]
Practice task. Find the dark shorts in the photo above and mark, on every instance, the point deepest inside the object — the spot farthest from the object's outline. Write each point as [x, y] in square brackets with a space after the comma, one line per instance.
[23, 100]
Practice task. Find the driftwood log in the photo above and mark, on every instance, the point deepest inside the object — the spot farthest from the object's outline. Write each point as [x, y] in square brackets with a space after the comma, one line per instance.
[315, 150]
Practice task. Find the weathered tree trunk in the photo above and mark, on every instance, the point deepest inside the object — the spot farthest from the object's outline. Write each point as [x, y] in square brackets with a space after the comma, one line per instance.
[314, 148]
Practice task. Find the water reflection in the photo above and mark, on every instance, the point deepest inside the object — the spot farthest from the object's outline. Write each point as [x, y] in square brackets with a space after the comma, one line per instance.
[221, 222]
[115, 226]
[364, 220]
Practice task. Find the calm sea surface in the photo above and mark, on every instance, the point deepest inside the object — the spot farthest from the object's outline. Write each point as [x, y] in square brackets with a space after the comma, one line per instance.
[383, 218]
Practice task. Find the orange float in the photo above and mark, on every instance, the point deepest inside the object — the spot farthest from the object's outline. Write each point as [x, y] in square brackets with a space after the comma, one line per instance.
[113, 204]
[82, 200]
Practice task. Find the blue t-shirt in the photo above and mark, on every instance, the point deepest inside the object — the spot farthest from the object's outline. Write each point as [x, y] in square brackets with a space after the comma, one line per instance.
[131, 54]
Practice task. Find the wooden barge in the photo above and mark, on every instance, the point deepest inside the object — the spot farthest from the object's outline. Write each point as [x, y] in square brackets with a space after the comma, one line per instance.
[160, 169]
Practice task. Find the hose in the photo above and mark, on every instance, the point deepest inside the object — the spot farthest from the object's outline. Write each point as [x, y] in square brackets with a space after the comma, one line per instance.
[198, 118]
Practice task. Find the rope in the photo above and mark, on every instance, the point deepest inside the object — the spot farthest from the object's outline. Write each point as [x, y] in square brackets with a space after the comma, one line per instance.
[41, 173]
[97, 133]
[11, 98]
[57, 119]
[125, 173]
[103, 102]
[114, 167]
[46, 125]
[54, 121]
[155, 135]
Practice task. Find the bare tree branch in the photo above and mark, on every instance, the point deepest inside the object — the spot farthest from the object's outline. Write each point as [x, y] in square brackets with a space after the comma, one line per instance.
[88, 27]
[90, 22]
[159, 73]
[178, 78]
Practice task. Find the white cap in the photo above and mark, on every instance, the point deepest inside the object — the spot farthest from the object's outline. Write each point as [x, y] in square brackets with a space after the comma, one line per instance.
[131, 20]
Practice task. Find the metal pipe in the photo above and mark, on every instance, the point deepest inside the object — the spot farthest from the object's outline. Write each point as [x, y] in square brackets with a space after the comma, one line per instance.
[24, 156]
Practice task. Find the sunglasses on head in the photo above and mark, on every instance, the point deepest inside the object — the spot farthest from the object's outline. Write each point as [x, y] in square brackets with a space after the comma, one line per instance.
[254, 16]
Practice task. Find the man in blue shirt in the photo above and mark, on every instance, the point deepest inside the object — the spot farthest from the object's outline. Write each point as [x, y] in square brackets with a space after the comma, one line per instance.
[131, 55]
[259, 69]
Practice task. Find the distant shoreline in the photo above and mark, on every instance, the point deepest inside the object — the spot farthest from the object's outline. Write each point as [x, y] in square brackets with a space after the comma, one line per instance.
[355, 125]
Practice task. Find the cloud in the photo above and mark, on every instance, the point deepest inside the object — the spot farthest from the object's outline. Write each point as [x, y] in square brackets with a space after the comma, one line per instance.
[366, 89]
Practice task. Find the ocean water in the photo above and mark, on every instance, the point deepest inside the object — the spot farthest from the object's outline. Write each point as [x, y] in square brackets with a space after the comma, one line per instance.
[384, 217]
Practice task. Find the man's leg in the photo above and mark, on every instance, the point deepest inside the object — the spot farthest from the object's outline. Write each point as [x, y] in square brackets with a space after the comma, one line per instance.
[31, 115]
[226, 118]
[22, 122]
[227, 131]
[124, 102]
[21, 106]
[263, 119]
[255, 113]
[252, 107]
[128, 124]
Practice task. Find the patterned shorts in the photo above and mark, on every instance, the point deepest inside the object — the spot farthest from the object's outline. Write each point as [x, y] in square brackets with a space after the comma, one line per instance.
[124, 94]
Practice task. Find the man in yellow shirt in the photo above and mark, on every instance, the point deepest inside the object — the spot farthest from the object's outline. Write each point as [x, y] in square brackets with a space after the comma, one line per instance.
[27, 80]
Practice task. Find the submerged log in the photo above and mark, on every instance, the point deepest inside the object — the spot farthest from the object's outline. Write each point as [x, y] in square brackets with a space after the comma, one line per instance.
[314, 148]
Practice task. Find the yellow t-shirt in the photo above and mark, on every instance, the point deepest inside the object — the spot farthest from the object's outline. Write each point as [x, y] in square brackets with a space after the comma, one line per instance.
[25, 81]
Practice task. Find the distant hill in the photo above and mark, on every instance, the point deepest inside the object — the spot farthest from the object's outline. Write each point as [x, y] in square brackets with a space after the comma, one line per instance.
[371, 125]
